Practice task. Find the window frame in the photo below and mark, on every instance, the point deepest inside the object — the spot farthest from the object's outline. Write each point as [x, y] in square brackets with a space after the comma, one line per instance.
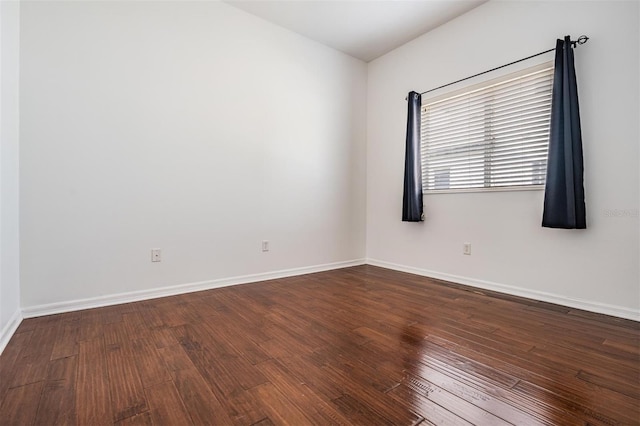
[547, 65]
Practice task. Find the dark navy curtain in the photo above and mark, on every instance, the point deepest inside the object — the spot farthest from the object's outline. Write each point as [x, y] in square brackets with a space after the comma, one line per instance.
[564, 205]
[412, 196]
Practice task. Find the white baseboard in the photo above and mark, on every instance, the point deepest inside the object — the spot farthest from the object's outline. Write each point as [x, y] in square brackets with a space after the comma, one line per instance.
[9, 329]
[135, 296]
[601, 308]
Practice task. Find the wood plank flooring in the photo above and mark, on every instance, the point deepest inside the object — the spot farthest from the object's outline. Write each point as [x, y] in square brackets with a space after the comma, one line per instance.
[360, 345]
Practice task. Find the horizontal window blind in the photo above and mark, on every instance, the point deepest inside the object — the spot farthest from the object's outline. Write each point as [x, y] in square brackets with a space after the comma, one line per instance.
[494, 136]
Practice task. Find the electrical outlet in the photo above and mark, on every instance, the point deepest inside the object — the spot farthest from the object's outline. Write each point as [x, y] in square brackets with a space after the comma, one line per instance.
[265, 245]
[156, 255]
[466, 249]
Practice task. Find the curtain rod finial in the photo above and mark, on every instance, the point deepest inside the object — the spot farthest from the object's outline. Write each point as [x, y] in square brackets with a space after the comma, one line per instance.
[582, 39]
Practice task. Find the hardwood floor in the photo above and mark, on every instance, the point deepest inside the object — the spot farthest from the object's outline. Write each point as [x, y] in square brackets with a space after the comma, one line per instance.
[361, 345]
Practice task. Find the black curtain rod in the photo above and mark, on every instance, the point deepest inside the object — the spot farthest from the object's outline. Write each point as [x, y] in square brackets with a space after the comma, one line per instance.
[581, 40]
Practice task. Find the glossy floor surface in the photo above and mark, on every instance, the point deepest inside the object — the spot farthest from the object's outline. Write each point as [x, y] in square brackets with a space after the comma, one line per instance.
[361, 345]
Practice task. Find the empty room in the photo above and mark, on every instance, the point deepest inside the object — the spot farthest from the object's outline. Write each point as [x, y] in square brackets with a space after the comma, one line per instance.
[319, 212]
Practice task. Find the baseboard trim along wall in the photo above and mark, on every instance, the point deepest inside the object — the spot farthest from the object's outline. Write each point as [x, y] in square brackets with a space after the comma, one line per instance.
[97, 302]
[601, 308]
[136, 296]
[9, 329]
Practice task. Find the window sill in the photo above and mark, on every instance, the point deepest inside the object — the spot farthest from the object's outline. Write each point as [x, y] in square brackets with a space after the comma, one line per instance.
[496, 189]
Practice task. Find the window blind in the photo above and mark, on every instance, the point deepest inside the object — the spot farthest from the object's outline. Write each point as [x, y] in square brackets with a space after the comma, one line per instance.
[494, 136]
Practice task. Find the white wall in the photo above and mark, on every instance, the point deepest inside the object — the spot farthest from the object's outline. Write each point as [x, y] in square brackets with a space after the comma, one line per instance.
[9, 123]
[137, 117]
[188, 126]
[596, 268]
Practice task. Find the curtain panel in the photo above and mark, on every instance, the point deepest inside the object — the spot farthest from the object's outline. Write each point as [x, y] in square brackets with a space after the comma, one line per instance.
[412, 195]
[564, 204]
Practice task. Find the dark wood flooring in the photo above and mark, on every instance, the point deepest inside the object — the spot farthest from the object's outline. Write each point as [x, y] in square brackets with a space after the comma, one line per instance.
[361, 345]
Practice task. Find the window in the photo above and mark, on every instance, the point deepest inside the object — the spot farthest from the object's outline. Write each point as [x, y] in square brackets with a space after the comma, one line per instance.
[490, 136]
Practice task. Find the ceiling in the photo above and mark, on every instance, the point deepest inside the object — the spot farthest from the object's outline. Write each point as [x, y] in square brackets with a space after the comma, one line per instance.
[364, 29]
